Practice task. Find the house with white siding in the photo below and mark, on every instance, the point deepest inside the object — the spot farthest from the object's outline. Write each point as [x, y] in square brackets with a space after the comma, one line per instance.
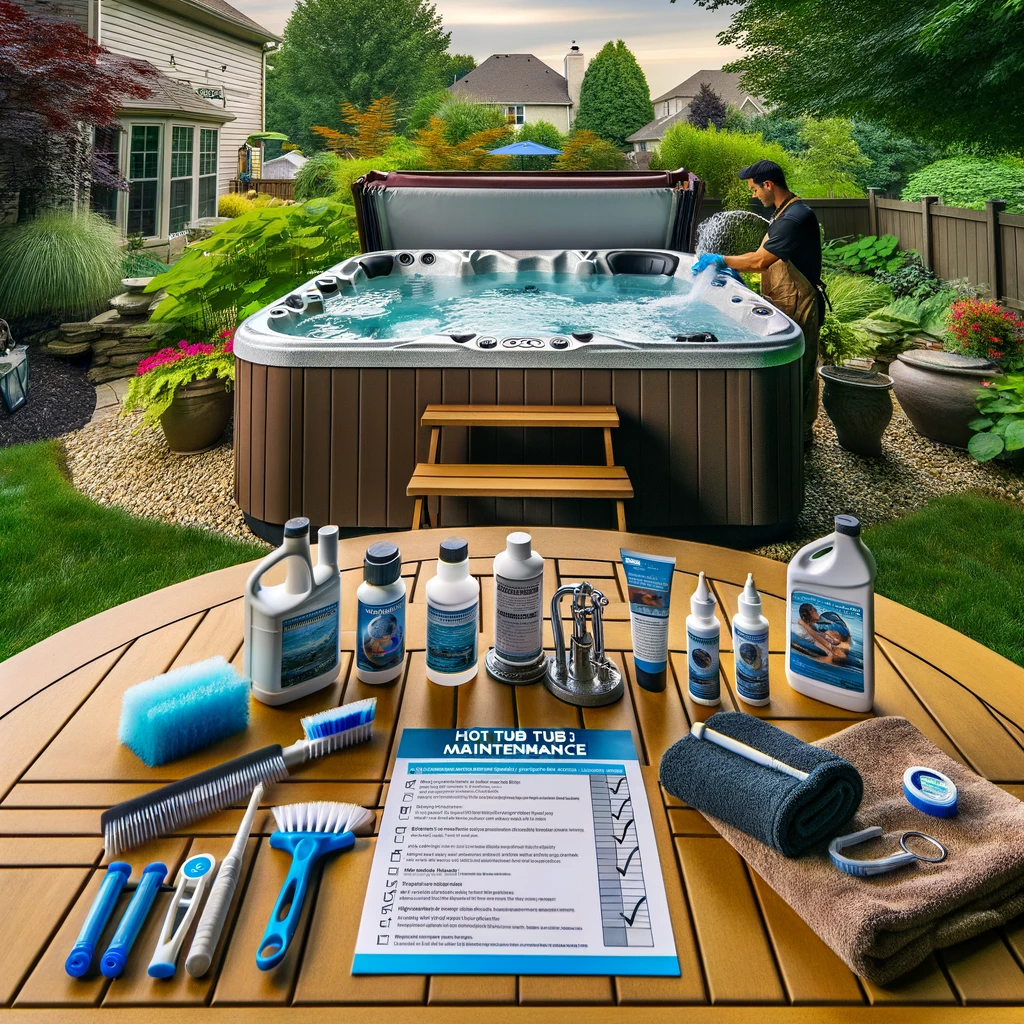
[178, 148]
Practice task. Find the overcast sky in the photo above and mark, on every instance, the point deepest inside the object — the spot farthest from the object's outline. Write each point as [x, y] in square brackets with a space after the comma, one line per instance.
[671, 41]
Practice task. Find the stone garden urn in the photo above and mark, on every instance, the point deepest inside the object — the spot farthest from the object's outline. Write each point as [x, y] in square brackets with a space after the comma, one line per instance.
[937, 391]
[859, 405]
[198, 415]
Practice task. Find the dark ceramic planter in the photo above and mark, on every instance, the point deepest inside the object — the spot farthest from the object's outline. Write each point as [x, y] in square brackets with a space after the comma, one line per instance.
[937, 391]
[197, 417]
[859, 405]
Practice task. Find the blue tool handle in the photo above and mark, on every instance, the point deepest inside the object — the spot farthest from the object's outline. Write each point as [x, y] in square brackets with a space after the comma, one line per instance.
[128, 929]
[81, 955]
[306, 849]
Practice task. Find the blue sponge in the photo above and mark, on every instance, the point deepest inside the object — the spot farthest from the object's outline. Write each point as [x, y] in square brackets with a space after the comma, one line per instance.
[171, 715]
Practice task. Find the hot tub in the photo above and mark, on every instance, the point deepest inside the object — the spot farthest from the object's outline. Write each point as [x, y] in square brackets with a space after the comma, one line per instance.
[332, 381]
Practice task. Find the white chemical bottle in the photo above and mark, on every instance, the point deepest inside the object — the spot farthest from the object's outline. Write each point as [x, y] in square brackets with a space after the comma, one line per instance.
[518, 653]
[750, 647]
[380, 615]
[292, 630]
[830, 602]
[453, 617]
[703, 637]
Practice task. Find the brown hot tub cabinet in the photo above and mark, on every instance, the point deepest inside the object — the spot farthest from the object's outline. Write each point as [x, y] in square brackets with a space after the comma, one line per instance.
[327, 422]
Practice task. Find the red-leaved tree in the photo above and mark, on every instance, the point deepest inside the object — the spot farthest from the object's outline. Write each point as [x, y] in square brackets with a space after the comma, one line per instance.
[55, 84]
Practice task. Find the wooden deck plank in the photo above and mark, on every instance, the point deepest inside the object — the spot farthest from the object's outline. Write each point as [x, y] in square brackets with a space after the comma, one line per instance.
[737, 957]
[925, 985]
[685, 821]
[27, 852]
[661, 716]
[538, 708]
[473, 990]
[484, 702]
[425, 705]
[984, 972]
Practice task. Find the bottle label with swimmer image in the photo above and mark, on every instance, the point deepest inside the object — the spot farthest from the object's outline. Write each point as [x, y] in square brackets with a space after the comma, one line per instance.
[827, 640]
[702, 663]
[751, 663]
[452, 638]
[380, 630]
[309, 645]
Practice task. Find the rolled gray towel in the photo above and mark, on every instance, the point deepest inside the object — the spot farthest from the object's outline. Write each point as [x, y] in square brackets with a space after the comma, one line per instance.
[788, 815]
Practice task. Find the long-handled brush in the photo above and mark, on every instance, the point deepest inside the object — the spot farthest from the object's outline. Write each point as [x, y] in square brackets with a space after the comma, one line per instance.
[177, 804]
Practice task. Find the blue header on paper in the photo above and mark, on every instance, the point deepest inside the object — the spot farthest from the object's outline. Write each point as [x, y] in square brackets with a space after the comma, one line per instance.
[518, 744]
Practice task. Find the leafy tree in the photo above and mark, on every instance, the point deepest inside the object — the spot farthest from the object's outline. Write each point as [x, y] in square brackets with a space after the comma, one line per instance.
[469, 154]
[424, 109]
[372, 130]
[707, 107]
[615, 100]
[584, 150]
[54, 86]
[544, 133]
[776, 128]
[826, 168]
[456, 66]
[334, 50]
[463, 118]
[894, 158]
[938, 71]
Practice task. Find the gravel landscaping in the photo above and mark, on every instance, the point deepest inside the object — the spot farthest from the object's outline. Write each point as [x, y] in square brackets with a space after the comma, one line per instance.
[138, 473]
[60, 398]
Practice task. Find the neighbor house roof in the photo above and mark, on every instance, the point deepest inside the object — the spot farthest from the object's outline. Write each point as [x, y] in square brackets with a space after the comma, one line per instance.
[725, 83]
[512, 78]
[283, 167]
[655, 131]
[169, 96]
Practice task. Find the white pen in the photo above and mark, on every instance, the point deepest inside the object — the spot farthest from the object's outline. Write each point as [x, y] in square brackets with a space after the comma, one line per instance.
[700, 732]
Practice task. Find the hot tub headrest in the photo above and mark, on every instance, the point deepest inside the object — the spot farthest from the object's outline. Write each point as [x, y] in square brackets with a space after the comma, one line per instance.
[528, 210]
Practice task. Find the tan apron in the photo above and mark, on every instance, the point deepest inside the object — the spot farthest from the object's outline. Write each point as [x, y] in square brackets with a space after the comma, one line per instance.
[788, 290]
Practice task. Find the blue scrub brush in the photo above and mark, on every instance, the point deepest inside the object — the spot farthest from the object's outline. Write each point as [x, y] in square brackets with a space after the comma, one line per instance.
[308, 832]
[171, 807]
[185, 710]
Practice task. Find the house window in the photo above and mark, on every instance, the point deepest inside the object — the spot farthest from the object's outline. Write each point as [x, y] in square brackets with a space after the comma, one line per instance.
[643, 146]
[516, 113]
[143, 172]
[181, 178]
[667, 110]
[103, 192]
[207, 172]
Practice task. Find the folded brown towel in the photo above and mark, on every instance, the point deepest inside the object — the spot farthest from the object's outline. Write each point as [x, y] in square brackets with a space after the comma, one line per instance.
[884, 926]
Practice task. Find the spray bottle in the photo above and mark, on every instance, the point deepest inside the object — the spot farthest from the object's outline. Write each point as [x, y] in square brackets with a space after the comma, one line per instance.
[750, 647]
[292, 630]
[830, 601]
[703, 633]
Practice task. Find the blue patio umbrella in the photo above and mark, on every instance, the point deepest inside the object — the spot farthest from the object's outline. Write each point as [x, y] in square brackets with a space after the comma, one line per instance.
[525, 149]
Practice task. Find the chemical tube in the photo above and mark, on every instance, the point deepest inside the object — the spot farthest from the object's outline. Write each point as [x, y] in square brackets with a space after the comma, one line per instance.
[649, 580]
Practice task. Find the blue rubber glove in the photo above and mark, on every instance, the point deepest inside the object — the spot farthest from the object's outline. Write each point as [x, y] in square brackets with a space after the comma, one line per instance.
[709, 259]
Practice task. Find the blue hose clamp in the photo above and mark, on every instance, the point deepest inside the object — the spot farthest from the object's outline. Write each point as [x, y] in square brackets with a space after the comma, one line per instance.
[930, 791]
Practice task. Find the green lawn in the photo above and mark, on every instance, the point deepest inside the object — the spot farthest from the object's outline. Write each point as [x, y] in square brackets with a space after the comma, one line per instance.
[64, 558]
[959, 561]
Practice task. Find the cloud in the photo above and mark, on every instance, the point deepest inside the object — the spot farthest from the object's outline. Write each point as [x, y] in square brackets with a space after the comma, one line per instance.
[455, 14]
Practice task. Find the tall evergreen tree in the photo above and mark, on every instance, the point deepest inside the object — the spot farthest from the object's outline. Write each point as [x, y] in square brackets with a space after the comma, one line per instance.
[615, 100]
[707, 108]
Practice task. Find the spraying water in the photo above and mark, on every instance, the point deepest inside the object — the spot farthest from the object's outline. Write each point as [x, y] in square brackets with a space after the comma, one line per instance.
[731, 233]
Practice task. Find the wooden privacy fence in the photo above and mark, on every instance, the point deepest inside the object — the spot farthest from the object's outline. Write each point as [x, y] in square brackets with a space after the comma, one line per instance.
[279, 188]
[839, 217]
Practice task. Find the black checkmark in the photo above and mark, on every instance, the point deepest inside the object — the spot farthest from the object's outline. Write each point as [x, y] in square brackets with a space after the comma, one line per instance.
[619, 783]
[619, 815]
[624, 831]
[625, 867]
[632, 917]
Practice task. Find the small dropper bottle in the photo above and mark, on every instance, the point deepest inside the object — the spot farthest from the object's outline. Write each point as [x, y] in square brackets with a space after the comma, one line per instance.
[703, 635]
[750, 647]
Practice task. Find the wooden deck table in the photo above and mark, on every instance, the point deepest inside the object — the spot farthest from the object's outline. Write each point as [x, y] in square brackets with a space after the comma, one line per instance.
[745, 956]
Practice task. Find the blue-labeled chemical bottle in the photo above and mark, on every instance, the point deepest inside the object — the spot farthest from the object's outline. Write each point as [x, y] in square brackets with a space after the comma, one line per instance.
[380, 617]
[703, 635]
[453, 617]
[750, 647]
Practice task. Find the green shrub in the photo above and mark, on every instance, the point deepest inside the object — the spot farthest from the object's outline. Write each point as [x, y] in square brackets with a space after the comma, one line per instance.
[967, 182]
[234, 204]
[1000, 428]
[853, 296]
[911, 278]
[867, 253]
[586, 151]
[60, 263]
[718, 157]
[251, 262]
[544, 133]
[463, 118]
[315, 179]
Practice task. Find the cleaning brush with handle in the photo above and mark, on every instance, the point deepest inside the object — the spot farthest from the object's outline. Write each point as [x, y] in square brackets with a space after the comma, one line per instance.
[308, 832]
[177, 804]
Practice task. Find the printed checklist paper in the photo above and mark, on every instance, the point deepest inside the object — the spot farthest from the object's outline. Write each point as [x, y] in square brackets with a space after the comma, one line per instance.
[516, 851]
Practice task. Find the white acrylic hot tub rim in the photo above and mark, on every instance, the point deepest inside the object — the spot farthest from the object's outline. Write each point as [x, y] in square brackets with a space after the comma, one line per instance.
[779, 342]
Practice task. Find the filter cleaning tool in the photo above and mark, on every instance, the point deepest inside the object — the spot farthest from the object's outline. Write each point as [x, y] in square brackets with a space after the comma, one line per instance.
[215, 913]
[193, 880]
[172, 715]
[700, 731]
[930, 791]
[80, 957]
[308, 832]
[135, 916]
[177, 804]
[883, 865]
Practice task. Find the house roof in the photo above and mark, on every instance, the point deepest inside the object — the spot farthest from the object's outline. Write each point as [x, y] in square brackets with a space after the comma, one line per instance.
[220, 12]
[512, 78]
[169, 96]
[655, 131]
[725, 83]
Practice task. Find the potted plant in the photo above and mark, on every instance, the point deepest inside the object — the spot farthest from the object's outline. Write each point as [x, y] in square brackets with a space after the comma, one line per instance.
[187, 390]
[937, 390]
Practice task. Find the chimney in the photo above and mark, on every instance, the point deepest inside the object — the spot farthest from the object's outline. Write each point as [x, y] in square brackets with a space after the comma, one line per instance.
[575, 68]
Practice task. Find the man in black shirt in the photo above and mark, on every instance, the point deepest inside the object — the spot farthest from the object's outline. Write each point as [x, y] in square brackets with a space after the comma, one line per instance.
[789, 262]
